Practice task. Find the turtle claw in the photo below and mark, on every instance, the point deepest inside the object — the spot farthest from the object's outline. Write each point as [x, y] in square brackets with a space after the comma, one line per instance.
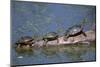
[65, 39]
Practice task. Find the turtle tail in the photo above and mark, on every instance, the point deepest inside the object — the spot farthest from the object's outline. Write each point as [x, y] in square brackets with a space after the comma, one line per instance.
[84, 34]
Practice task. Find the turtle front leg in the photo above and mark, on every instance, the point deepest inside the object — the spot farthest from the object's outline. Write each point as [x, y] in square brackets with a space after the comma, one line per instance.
[18, 45]
[57, 40]
[66, 38]
[45, 42]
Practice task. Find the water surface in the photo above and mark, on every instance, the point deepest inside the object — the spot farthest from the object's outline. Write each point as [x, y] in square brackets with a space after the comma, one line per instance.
[55, 54]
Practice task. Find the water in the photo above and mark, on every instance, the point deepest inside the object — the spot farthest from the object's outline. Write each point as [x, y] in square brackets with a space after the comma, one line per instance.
[55, 54]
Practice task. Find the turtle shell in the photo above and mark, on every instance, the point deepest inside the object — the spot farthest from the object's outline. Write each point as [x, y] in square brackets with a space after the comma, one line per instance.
[51, 35]
[74, 30]
[25, 39]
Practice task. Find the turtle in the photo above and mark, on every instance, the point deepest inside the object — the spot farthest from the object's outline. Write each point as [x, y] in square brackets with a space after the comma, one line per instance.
[50, 37]
[25, 41]
[75, 30]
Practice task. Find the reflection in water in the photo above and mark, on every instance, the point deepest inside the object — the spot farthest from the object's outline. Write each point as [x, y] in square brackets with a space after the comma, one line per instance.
[21, 52]
[74, 53]
[50, 51]
[55, 54]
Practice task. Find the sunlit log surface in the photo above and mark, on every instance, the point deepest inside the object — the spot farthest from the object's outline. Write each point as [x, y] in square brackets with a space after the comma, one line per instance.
[71, 40]
[79, 39]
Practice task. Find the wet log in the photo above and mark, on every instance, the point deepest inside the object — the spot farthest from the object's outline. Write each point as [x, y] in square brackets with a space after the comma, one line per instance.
[71, 40]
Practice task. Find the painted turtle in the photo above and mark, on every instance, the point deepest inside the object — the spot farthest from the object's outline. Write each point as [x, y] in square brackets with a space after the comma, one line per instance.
[74, 31]
[25, 41]
[50, 37]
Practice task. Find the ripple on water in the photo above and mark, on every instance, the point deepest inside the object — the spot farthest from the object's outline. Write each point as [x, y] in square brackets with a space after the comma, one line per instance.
[59, 54]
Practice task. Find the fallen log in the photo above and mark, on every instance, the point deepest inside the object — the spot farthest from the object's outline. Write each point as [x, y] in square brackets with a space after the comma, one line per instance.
[71, 40]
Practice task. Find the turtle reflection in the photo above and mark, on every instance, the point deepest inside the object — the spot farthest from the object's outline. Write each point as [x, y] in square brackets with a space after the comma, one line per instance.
[74, 31]
[24, 51]
[50, 51]
[75, 52]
